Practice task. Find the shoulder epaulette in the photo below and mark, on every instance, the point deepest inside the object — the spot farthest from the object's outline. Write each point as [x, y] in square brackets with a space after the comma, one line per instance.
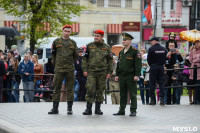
[58, 40]
[106, 44]
[72, 40]
[90, 43]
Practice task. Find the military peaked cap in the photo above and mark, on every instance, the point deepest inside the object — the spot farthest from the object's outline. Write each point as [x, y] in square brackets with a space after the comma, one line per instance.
[127, 36]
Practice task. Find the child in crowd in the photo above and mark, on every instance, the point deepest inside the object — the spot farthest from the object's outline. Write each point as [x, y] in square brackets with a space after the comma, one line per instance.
[186, 74]
[177, 81]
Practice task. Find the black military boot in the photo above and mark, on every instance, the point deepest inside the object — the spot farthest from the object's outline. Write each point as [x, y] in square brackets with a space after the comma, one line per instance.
[133, 113]
[153, 101]
[69, 108]
[97, 108]
[162, 101]
[120, 112]
[54, 110]
[88, 110]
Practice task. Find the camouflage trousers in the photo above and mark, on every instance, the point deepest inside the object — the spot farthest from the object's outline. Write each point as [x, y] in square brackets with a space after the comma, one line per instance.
[58, 79]
[115, 96]
[96, 84]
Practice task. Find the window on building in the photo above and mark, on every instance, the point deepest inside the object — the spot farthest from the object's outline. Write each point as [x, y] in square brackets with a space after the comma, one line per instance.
[198, 9]
[172, 4]
[100, 3]
[128, 3]
[114, 3]
[162, 5]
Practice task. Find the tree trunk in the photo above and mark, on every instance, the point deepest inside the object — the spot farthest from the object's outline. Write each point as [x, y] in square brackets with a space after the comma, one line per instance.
[32, 38]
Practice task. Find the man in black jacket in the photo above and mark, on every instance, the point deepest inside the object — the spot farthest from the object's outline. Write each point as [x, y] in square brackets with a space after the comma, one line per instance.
[173, 57]
[156, 59]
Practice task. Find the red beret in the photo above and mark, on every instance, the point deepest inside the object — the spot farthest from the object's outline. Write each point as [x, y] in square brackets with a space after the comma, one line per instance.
[99, 32]
[67, 26]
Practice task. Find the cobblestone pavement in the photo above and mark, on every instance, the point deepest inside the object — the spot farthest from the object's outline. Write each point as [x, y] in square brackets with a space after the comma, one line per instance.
[33, 118]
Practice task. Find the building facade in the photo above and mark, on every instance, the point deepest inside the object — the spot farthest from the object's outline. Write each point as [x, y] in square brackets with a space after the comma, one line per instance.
[108, 15]
[175, 18]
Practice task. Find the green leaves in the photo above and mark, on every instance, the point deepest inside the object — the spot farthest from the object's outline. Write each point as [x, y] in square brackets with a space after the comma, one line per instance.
[37, 14]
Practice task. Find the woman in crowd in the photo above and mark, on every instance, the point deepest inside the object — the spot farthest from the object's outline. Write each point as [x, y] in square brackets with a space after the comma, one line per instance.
[13, 80]
[194, 58]
[38, 69]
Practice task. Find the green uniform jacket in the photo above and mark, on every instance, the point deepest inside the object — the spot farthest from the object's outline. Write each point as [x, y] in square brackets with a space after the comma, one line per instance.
[64, 54]
[130, 62]
[98, 57]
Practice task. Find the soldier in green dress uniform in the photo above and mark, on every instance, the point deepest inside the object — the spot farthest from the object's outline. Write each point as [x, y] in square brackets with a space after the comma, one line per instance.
[128, 72]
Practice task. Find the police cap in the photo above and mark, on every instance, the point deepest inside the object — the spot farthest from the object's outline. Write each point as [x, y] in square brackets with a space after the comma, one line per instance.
[154, 38]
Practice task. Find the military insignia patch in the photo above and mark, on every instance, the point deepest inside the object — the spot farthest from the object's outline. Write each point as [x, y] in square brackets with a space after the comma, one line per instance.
[134, 48]
[92, 47]
[58, 46]
[104, 48]
[138, 55]
[129, 58]
[71, 47]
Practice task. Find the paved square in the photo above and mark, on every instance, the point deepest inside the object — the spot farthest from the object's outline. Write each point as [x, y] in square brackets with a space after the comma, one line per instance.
[33, 118]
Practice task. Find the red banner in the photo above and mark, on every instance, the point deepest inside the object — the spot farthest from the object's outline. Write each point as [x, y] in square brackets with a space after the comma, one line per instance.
[149, 32]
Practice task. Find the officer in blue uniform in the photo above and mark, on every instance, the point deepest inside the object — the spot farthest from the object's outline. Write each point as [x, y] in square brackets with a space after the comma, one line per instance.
[156, 59]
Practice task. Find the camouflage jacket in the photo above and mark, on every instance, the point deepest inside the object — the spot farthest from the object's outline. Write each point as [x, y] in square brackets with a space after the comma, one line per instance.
[98, 57]
[130, 62]
[64, 54]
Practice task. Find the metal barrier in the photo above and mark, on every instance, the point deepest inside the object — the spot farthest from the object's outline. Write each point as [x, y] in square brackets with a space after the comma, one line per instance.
[106, 91]
[167, 87]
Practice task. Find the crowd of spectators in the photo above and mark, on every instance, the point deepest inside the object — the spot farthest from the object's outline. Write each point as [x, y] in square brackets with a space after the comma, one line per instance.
[32, 75]
[14, 70]
[175, 76]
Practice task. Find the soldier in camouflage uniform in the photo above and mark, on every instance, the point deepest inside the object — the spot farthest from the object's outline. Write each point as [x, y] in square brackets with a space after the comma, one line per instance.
[64, 54]
[128, 72]
[97, 66]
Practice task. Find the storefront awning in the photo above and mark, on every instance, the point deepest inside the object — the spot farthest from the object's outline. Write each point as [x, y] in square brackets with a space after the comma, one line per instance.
[114, 28]
[11, 23]
[75, 28]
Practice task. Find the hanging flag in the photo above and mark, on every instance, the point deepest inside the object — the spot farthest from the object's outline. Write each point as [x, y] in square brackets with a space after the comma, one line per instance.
[144, 19]
[147, 13]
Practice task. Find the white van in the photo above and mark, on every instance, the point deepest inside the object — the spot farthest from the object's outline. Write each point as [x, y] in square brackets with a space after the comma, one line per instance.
[44, 49]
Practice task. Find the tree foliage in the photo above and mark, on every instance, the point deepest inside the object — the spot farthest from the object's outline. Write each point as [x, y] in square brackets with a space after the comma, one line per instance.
[37, 13]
